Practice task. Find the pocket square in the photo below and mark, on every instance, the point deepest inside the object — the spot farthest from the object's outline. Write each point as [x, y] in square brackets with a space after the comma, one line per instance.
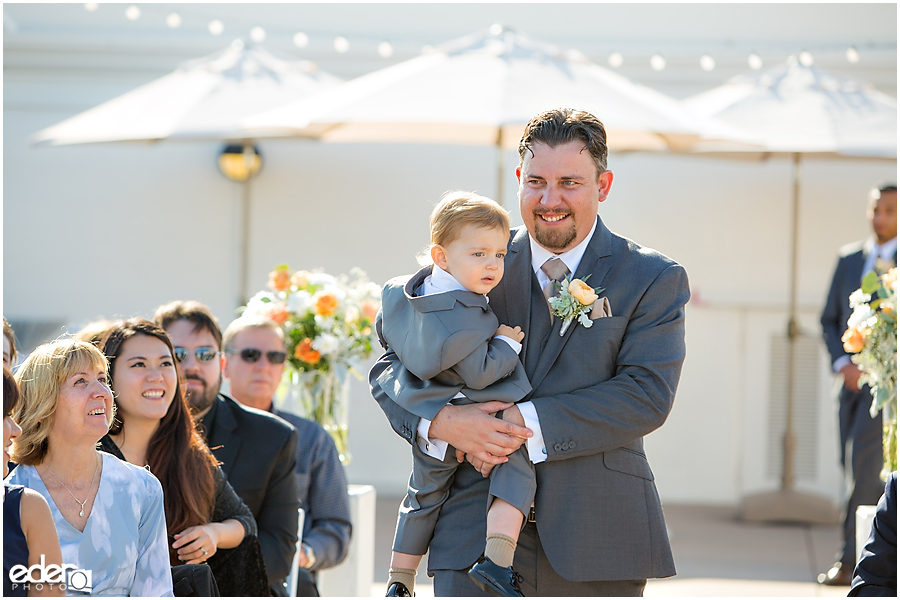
[601, 308]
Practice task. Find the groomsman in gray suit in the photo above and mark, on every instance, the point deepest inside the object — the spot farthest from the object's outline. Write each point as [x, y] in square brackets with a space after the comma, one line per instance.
[597, 525]
[861, 451]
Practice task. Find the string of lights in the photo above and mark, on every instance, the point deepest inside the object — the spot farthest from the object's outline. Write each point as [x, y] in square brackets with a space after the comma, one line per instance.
[342, 44]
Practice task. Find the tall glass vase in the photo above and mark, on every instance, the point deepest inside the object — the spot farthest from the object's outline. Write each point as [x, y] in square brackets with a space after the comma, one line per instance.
[323, 397]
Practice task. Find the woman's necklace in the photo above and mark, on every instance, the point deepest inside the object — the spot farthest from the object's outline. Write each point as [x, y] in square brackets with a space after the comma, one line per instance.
[80, 502]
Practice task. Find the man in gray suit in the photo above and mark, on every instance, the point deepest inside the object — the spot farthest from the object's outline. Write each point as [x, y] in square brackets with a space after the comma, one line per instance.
[597, 525]
[860, 434]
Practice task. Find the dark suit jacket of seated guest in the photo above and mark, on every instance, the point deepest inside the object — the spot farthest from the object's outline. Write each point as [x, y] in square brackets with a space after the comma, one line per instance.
[258, 454]
[876, 572]
[323, 492]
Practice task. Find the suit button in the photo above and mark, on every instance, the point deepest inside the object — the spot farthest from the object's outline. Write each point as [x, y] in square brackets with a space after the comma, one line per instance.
[557, 447]
[565, 446]
[572, 445]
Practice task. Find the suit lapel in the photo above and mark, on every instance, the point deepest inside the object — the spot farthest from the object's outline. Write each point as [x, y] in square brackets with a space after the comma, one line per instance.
[223, 435]
[515, 288]
[596, 263]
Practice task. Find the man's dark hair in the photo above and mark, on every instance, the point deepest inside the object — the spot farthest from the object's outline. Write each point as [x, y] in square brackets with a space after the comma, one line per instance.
[190, 310]
[564, 125]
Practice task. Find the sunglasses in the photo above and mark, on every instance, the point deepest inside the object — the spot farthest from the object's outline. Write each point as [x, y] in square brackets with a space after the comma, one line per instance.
[201, 354]
[251, 355]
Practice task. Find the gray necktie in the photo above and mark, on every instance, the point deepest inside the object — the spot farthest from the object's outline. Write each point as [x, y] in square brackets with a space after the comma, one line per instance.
[556, 270]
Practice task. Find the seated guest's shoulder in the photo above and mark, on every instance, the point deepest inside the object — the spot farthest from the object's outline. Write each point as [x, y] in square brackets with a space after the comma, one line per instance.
[259, 420]
[305, 428]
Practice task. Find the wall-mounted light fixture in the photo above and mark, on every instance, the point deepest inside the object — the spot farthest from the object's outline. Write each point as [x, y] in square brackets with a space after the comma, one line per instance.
[240, 162]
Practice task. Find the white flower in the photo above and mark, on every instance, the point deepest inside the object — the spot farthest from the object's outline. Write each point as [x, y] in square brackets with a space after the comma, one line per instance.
[256, 306]
[300, 302]
[860, 315]
[322, 279]
[326, 343]
[858, 297]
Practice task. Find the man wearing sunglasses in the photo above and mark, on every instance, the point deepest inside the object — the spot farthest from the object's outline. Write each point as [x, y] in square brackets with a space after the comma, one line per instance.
[258, 451]
[254, 363]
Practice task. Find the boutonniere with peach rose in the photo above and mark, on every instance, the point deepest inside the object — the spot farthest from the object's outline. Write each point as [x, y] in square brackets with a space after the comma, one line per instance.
[575, 300]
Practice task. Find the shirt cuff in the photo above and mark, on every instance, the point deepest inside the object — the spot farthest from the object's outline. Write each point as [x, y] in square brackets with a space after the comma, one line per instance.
[435, 448]
[840, 363]
[512, 343]
[537, 451]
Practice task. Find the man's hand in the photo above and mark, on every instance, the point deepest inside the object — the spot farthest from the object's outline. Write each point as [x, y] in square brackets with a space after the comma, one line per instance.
[851, 375]
[472, 429]
[511, 414]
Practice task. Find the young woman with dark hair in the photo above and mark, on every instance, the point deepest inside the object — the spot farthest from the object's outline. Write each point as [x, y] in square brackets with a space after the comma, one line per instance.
[153, 429]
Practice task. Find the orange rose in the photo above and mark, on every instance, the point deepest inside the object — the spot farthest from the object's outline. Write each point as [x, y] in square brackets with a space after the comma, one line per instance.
[277, 312]
[280, 279]
[325, 303]
[300, 279]
[369, 310]
[304, 351]
[854, 340]
[582, 292]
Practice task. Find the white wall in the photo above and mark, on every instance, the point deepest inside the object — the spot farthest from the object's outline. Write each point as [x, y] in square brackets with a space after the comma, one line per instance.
[116, 230]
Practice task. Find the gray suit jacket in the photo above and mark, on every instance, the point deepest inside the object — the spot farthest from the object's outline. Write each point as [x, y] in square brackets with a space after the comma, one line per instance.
[597, 392]
[448, 338]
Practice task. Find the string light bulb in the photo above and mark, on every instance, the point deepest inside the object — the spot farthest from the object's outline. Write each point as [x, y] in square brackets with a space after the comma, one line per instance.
[385, 49]
[91, 6]
[216, 27]
[341, 44]
[301, 40]
[852, 55]
[707, 63]
[806, 59]
[754, 61]
[258, 34]
[173, 20]
[132, 13]
[615, 60]
[657, 62]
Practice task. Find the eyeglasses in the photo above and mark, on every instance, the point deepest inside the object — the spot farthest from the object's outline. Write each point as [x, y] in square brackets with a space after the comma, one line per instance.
[251, 355]
[201, 354]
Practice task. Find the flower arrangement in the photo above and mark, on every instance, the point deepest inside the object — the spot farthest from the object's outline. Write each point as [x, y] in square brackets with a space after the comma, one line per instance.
[574, 301]
[328, 325]
[872, 335]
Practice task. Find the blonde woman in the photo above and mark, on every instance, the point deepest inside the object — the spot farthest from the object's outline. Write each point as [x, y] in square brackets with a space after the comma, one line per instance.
[108, 514]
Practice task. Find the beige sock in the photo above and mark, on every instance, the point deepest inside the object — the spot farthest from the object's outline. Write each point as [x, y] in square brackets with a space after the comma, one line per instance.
[405, 576]
[501, 549]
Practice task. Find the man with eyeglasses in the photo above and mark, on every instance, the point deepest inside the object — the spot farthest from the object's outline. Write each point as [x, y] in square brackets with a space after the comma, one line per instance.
[258, 451]
[254, 363]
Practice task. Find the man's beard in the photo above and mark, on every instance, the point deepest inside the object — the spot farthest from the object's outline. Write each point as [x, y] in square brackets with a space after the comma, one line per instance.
[201, 400]
[554, 239]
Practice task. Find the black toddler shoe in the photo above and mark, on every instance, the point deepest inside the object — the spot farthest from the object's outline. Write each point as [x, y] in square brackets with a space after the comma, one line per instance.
[398, 589]
[496, 580]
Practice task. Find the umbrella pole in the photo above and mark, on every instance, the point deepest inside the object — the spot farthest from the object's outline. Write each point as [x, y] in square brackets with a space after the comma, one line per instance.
[245, 243]
[787, 504]
[501, 171]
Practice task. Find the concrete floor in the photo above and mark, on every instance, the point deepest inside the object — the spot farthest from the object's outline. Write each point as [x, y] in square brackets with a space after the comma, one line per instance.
[715, 555]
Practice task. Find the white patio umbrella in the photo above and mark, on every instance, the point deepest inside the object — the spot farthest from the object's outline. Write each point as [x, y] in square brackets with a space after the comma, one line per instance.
[204, 99]
[483, 89]
[799, 111]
